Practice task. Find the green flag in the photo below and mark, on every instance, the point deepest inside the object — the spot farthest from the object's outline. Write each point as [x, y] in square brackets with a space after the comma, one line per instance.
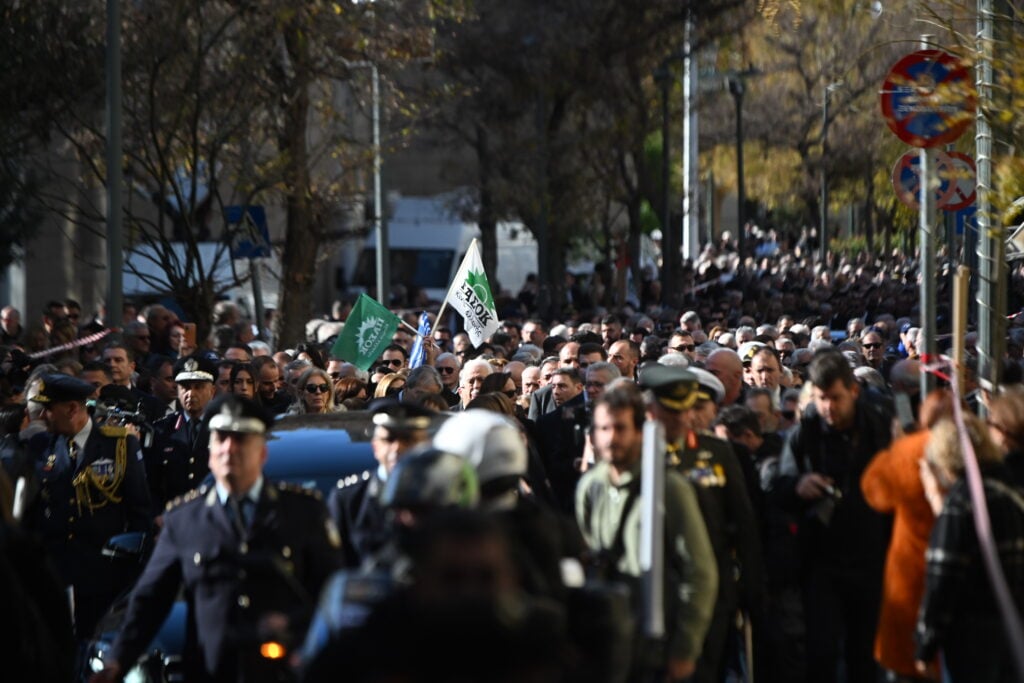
[368, 330]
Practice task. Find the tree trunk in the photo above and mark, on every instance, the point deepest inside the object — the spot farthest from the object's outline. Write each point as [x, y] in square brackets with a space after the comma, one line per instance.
[487, 220]
[302, 237]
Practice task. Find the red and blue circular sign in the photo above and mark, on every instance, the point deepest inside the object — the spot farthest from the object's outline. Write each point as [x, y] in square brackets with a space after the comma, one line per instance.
[906, 179]
[928, 98]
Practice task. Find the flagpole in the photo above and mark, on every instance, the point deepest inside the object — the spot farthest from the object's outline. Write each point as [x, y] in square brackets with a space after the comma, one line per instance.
[414, 330]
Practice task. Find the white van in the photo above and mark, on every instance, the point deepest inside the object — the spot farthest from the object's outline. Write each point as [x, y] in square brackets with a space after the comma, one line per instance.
[427, 243]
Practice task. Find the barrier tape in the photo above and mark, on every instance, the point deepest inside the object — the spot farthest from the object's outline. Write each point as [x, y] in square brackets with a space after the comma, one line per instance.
[982, 522]
[71, 345]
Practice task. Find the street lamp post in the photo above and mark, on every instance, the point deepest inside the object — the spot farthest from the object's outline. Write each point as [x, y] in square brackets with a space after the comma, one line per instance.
[380, 228]
[823, 177]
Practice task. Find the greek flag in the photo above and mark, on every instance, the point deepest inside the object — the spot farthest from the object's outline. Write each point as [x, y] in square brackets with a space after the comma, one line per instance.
[419, 354]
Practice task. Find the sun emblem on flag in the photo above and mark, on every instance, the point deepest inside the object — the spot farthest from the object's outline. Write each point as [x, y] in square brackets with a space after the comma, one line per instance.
[478, 282]
[366, 336]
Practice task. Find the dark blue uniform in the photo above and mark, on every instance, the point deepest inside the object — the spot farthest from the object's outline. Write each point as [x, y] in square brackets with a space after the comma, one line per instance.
[279, 565]
[84, 502]
[356, 510]
[178, 460]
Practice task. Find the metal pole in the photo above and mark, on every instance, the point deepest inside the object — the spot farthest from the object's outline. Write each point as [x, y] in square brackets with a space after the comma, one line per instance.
[990, 243]
[379, 225]
[115, 237]
[926, 246]
[736, 88]
[255, 273]
[823, 230]
[669, 237]
[691, 150]
[652, 528]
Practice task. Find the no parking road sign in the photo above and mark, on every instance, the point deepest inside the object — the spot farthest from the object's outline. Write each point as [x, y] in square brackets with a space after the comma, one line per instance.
[906, 179]
[928, 98]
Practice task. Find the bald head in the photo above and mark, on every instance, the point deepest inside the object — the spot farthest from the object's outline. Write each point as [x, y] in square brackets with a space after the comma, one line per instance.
[725, 364]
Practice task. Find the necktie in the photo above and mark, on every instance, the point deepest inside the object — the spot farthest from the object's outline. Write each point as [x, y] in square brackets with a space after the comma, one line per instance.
[72, 450]
[234, 510]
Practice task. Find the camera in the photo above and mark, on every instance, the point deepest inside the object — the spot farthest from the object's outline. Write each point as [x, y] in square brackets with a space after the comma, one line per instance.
[122, 412]
[825, 508]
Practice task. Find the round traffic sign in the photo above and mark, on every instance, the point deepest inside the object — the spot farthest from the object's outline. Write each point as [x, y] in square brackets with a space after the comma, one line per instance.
[906, 179]
[963, 182]
[928, 98]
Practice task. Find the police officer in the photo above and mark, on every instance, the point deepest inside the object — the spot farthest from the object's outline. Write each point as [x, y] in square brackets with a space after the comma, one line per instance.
[177, 461]
[92, 487]
[711, 465]
[355, 503]
[251, 554]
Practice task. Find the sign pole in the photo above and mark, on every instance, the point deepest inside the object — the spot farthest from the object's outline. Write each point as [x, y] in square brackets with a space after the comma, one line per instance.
[926, 247]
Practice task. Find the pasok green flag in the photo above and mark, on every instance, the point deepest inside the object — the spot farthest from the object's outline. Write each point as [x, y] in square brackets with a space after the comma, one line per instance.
[470, 295]
[368, 330]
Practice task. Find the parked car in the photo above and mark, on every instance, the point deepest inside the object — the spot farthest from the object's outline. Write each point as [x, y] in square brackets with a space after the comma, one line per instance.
[313, 451]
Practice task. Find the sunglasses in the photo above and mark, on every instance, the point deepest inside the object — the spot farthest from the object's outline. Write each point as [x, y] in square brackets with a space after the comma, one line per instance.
[334, 375]
[684, 347]
[872, 346]
[394, 361]
[445, 371]
[317, 388]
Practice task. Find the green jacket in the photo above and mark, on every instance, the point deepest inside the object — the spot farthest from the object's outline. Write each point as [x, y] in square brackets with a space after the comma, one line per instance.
[599, 506]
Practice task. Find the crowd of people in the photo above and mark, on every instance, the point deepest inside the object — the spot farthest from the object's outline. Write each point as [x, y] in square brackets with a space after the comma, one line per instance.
[817, 519]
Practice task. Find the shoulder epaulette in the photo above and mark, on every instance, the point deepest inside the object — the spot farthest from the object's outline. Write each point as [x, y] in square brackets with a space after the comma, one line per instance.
[295, 488]
[113, 431]
[353, 479]
[184, 498]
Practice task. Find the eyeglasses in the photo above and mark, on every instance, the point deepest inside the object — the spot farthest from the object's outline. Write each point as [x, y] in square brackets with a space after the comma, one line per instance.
[876, 345]
[317, 388]
[445, 370]
[684, 347]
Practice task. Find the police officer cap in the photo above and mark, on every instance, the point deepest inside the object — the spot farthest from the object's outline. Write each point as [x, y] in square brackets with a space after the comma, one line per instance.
[194, 368]
[58, 387]
[748, 349]
[674, 388]
[709, 387]
[398, 415]
[238, 415]
[431, 479]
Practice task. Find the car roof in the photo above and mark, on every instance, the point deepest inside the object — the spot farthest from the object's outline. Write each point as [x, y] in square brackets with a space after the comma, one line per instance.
[316, 451]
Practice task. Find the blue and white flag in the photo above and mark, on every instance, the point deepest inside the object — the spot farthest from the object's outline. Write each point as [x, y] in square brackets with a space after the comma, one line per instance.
[419, 354]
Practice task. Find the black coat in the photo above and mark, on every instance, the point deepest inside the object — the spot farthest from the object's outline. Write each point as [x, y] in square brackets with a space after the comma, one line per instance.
[356, 510]
[288, 551]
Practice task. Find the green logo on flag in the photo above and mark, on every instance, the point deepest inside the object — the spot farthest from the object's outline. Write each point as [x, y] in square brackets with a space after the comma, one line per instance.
[367, 332]
[480, 286]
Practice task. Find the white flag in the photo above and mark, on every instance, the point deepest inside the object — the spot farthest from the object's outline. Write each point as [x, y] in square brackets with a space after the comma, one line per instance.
[470, 295]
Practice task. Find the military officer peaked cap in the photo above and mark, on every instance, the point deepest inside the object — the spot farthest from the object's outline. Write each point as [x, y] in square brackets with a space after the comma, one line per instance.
[194, 368]
[673, 387]
[399, 415]
[709, 387]
[238, 415]
[58, 387]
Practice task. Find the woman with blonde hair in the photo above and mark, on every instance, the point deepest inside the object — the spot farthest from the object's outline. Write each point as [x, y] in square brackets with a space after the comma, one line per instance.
[390, 385]
[315, 394]
[959, 617]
